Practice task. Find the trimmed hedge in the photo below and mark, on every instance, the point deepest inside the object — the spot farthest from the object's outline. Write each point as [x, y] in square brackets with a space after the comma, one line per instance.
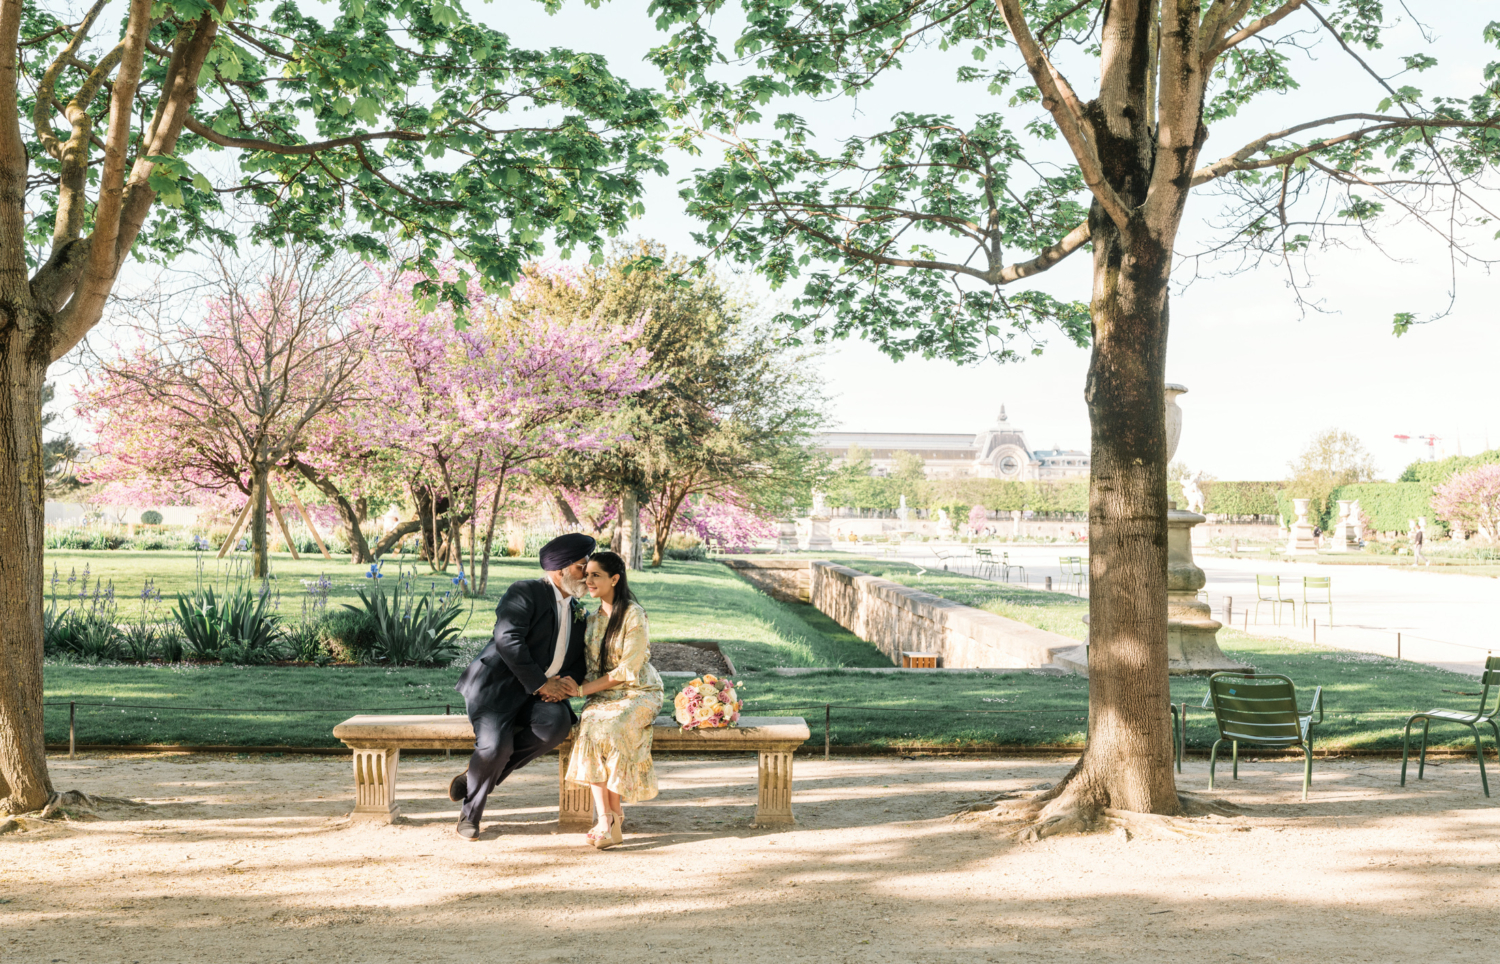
[1436, 473]
[1388, 505]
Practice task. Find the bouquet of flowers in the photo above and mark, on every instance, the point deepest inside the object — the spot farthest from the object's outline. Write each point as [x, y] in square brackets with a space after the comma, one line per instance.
[707, 702]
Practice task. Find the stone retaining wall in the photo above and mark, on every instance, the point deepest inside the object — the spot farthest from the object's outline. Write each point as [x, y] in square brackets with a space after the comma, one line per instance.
[895, 618]
[787, 580]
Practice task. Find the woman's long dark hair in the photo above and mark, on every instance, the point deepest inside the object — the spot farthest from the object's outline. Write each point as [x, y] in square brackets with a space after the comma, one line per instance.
[613, 565]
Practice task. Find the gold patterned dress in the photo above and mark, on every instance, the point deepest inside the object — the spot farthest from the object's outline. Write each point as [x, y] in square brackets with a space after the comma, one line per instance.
[613, 745]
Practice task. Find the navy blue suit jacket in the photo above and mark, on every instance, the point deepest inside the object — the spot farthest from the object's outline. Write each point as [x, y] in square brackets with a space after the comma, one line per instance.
[514, 665]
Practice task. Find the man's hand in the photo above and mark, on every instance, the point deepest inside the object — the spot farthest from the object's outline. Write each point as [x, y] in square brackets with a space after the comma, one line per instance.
[557, 689]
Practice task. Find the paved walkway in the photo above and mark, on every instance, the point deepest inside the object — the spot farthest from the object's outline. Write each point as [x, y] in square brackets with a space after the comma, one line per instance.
[1444, 620]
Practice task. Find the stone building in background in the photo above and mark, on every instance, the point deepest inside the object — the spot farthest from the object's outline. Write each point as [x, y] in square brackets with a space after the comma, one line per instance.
[998, 452]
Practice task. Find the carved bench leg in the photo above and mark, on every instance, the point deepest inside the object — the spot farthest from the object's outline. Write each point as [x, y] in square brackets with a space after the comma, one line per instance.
[575, 804]
[775, 805]
[375, 785]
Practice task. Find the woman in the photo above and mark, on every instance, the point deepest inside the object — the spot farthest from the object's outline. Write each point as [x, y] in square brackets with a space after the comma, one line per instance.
[612, 752]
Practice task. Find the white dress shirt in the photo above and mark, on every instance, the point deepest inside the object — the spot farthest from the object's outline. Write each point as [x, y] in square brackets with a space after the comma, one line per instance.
[564, 630]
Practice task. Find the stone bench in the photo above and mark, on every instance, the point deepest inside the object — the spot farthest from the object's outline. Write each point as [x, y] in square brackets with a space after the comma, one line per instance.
[377, 742]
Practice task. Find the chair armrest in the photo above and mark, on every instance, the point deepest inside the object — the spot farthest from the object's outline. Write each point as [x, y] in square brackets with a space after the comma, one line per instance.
[1317, 705]
[1208, 700]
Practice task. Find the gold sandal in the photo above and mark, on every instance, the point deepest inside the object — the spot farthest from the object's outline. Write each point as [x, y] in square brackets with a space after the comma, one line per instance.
[607, 839]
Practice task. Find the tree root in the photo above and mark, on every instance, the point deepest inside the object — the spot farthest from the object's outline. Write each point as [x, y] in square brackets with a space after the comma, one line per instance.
[1043, 812]
[75, 805]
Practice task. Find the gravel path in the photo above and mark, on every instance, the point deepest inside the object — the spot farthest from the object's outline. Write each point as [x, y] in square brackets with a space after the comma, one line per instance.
[253, 860]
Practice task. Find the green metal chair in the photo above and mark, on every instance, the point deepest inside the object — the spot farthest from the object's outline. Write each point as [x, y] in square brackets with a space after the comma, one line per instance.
[1075, 570]
[1489, 679]
[1268, 590]
[1006, 566]
[1261, 709]
[984, 562]
[1316, 584]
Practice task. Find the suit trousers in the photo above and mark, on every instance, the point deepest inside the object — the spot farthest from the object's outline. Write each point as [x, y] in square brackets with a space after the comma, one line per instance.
[502, 746]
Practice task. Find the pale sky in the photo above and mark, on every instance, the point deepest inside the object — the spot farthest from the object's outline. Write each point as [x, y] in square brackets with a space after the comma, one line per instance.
[1261, 376]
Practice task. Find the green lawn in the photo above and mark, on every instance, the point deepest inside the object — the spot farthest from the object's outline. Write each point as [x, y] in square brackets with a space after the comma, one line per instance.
[1367, 697]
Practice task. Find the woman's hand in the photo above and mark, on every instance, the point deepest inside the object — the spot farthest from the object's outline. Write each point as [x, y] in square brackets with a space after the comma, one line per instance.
[597, 686]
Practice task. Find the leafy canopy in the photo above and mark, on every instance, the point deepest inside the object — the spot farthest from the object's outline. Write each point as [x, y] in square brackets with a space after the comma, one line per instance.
[358, 125]
[921, 235]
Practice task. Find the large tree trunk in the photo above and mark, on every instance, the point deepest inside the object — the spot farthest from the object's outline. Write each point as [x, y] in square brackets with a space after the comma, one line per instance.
[260, 481]
[24, 784]
[1127, 764]
[350, 515]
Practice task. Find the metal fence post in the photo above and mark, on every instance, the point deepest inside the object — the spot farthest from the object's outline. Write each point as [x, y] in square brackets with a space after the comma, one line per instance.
[1398, 645]
[448, 711]
[72, 730]
[1182, 732]
[827, 720]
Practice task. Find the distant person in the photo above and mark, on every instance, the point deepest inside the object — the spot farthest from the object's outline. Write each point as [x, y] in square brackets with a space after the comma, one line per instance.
[1417, 538]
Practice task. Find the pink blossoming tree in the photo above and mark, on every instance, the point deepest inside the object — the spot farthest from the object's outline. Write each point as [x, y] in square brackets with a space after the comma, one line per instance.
[473, 407]
[1472, 499]
[210, 399]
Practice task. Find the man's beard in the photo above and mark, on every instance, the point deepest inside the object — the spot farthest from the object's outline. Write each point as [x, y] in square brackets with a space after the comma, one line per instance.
[572, 585]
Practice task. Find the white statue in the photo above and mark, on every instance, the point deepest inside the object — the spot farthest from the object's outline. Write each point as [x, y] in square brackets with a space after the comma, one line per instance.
[819, 508]
[944, 524]
[1192, 491]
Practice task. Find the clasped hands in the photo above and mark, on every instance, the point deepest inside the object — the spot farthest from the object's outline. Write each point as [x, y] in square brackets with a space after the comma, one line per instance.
[557, 689]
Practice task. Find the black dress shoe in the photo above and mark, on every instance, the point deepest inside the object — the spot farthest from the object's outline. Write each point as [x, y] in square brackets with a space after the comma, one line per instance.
[467, 830]
[458, 788]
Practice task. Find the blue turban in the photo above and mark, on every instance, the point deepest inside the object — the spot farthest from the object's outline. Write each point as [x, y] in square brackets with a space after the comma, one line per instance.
[565, 550]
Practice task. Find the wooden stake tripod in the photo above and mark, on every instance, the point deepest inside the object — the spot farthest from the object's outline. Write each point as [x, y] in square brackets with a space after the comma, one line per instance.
[286, 533]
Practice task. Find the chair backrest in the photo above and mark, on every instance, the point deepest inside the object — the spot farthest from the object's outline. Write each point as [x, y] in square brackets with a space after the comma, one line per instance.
[1490, 679]
[1263, 581]
[1256, 708]
[1316, 582]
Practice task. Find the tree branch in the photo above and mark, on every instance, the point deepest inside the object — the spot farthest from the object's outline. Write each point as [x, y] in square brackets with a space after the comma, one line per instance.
[1062, 103]
[41, 112]
[1179, 126]
[1249, 30]
[271, 147]
[121, 208]
[1240, 159]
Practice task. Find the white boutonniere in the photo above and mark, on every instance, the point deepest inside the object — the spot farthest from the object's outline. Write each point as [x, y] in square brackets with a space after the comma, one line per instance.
[580, 612]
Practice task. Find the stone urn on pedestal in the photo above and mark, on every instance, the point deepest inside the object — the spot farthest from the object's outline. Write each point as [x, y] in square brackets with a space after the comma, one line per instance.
[818, 538]
[1192, 632]
[786, 531]
[1343, 537]
[1301, 540]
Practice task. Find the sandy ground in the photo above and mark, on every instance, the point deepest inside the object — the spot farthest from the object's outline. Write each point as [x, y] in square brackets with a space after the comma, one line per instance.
[254, 860]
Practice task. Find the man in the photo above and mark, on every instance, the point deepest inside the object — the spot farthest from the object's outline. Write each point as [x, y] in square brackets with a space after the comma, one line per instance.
[516, 691]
